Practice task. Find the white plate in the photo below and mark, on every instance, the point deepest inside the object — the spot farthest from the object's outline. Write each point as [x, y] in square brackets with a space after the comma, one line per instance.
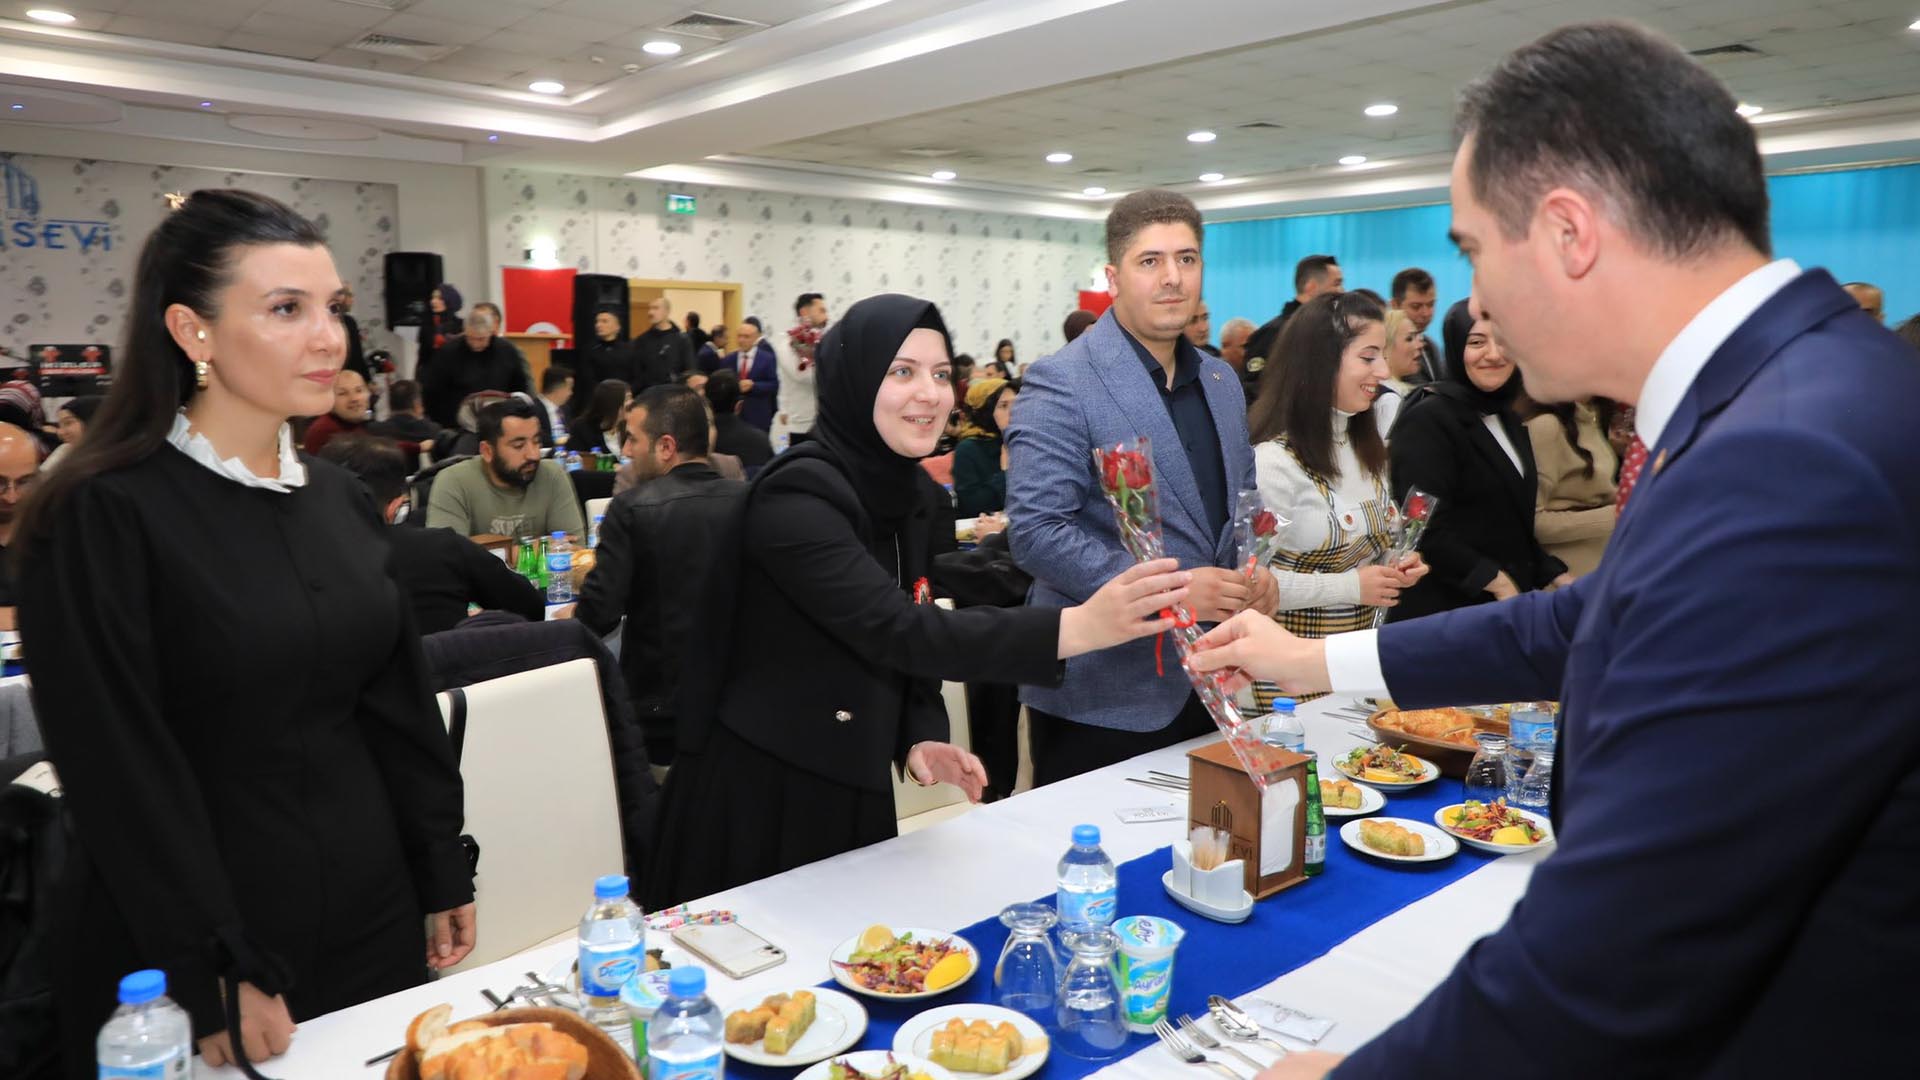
[1370, 800]
[1432, 772]
[1539, 822]
[871, 1062]
[843, 951]
[838, 1023]
[1440, 844]
[915, 1037]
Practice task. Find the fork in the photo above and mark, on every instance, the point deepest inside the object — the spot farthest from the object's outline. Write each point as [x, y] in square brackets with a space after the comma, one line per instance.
[1207, 1042]
[1186, 1051]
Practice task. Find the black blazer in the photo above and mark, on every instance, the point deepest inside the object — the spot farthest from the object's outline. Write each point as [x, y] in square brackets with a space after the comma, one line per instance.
[831, 666]
[442, 572]
[1484, 524]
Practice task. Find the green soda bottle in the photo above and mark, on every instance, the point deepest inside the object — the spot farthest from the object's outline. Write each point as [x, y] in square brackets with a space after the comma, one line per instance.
[1316, 853]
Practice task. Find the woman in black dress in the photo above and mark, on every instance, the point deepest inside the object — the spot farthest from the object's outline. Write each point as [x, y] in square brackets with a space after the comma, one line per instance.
[817, 664]
[265, 802]
[1460, 440]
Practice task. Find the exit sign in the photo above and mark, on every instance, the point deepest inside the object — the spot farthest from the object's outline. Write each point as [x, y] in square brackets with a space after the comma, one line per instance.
[680, 204]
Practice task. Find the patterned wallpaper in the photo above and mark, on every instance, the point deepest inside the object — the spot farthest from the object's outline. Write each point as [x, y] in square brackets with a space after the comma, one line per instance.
[74, 228]
[993, 275]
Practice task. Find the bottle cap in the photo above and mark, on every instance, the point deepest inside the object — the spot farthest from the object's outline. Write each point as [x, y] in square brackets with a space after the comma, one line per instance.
[611, 887]
[142, 987]
[558, 535]
[1283, 704]
[687, 981]
[1086, 835]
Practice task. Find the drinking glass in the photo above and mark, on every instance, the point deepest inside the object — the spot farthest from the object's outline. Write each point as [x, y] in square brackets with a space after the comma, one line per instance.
[1486, 778]
[1536, 788]
[1026, 978]
[1089, 1022]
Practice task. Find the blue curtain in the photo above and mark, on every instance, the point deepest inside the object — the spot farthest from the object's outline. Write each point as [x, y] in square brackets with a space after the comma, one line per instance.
[1860, 224]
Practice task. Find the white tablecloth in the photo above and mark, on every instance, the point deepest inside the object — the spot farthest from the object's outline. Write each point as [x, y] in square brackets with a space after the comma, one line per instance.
[966, 870]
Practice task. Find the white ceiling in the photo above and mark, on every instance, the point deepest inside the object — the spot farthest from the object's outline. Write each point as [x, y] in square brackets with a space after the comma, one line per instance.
[872, 95]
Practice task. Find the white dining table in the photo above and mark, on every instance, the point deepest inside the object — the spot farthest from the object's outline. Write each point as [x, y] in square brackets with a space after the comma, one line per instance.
[967, 869]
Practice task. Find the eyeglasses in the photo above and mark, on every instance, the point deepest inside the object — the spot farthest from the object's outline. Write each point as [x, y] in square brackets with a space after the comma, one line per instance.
[10, 486]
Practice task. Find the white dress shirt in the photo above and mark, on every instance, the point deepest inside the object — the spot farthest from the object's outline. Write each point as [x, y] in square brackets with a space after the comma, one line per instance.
[1353, 660]
[195, 445]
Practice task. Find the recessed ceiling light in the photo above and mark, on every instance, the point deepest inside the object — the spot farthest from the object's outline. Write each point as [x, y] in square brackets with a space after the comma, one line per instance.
[1382, 109]
[1749, 110]
[1354, 159]
[1092, 192]
[493, 138]
[1212, 177]
[17, 105]
[1201, 136]
[206, 104]
[49, 15]
[944, 174]
[546, 86]
[1059, 157]
[661, 48]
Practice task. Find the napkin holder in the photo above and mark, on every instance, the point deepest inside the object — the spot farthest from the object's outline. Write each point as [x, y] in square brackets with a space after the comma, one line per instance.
[1267, 831]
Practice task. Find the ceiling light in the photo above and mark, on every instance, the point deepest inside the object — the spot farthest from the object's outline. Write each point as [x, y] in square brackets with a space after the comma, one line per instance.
[16, 105]
[1382, 109]
[1091, 193]
[49, 15]
[493, 138]
[206, 104]
[1354, 159]
[661, 48]
[546, 86]
[1749, 110]
[1059, 157]
[1201, 136]
[945, 174]
[1914, 25]
[1212, 177]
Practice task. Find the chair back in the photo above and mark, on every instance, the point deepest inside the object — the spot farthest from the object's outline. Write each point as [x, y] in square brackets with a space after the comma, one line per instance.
[595, 508]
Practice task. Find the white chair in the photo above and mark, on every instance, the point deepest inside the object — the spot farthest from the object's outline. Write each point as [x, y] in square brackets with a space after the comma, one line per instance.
[595, 508]
[540, 800]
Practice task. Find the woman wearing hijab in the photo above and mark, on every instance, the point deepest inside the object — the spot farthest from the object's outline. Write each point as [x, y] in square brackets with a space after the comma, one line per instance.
[980, 459]
[1459, 440]
[442, 325]
[816, 664]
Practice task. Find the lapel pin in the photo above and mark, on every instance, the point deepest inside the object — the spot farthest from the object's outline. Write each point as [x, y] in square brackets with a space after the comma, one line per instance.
[1660, 462]
[1216, 376]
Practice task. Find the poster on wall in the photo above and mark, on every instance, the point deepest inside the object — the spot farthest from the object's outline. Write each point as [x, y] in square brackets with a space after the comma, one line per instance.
[71, 370]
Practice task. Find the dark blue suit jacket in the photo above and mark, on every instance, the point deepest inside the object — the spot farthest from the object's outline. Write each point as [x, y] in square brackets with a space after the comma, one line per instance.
[1737, 887]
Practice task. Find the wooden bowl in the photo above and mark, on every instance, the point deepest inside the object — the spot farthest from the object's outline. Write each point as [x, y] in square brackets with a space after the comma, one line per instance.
[1450, 758]
[605, 1059]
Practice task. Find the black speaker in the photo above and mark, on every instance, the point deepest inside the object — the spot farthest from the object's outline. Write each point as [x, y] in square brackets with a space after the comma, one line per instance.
[411, 278]
[591, 292]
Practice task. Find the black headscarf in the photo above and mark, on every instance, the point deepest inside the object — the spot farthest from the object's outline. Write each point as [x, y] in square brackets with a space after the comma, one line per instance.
[1455, 382]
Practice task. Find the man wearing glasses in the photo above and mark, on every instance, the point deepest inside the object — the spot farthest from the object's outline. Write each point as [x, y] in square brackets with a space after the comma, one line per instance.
[19, 465]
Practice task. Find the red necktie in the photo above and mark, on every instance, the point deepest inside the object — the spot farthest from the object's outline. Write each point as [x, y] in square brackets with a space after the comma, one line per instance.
[1630, 472]
[746, 364]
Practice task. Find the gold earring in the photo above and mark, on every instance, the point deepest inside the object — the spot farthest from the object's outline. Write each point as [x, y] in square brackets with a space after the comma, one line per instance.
[200, 369]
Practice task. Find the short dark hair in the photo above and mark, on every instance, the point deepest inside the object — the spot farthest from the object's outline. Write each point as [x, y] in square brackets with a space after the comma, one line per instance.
[1371, 295]
[1412, 279]
[83, 407]
[1624, 116]
[806, 300]
[1909, 331]
[1311, 269]
[403, 396]
[1077, 322]
[378, 462]
[491, 308]
[676, 411]
[1154, 206]
[555, 377]
[493, 417]
[1297, 387]
[723, 390]
[692, 319]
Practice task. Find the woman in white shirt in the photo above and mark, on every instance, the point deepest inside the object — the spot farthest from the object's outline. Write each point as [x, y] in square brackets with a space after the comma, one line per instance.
[1402, 354]
[1322, 468]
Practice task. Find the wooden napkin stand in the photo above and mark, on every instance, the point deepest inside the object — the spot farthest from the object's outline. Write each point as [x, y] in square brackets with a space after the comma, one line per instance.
[1221, 794]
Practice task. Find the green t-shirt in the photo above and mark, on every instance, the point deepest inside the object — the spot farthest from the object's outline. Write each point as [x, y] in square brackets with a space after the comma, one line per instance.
[465, 500]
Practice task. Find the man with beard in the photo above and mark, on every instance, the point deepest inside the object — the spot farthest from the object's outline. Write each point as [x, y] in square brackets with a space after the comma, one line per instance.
[507, 490]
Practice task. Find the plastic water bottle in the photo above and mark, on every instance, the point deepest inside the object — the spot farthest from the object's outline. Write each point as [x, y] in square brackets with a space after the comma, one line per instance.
[1088, 892]
[781, 442]
[1284, 728]
[684, 1038]
[148, 1036]
[559, 569]
[593, 532]
[1529, 728]
[573, 461]
[613, 948]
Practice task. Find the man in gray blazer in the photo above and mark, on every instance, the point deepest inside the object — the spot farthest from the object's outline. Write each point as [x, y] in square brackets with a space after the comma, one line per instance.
[1132, 373]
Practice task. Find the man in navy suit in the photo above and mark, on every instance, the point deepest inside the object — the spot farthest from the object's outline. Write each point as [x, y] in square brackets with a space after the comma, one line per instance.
[1737, 783]
[759, 370]
[1132, 373]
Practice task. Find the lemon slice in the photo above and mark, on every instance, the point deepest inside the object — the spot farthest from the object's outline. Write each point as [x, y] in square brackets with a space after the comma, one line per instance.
[951, 969]
[1511, 834]
[1384, 776]
[874, 938]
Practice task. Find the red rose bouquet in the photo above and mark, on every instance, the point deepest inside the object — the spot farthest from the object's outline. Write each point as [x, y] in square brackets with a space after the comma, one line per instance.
[804, 338]
[1406, 523]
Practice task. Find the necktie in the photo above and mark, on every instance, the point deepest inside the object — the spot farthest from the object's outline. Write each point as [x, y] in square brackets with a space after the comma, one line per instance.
[746, 364]
[1630, 472]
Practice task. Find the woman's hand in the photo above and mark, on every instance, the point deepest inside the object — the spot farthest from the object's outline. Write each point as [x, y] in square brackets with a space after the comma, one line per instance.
[987, 524]
[1414, 567]
[450, 936]
[1380, 586]
[1125, 608]
[266, 1030]
[932, 763]
[1252, 646]
[1502, 587]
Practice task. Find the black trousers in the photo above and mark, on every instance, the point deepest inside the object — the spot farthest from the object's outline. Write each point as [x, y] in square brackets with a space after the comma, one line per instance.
[993, 726]
[1063, 749]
